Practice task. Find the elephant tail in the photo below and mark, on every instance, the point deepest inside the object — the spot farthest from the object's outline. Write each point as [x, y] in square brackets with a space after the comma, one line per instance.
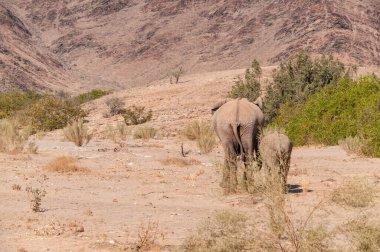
[235, 129]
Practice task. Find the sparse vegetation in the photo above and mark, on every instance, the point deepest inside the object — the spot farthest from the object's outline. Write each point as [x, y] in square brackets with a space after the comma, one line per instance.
[144, 133]
[118, 132]
[354, 193]
[36, 194]
[50, 113]
[250, 86]
[91, 95]
[77, 133]
[136, 115]
[350, 108]
[115, 105]
[364, 236]
[206, 141]
[354, 145]
[12, 136]
[176, 74]
[202, 133]
[148, 236]
[192, 130]
[16, 187]
[16, 100]
[225, 231]
[181, 162]
[65, 164]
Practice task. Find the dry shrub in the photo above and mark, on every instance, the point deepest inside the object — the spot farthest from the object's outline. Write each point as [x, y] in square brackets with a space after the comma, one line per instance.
[206, 141]
[297, 237]
[226, 231]
[148, 236]
[16, 187]
[115, 106]
[145, 133]
[181, 162]
[65, 164]
[77, 133]
[117, 133]
[354, 145]
[136, 115]
[192, 130]
[354, 193]
[12, 136]
[365, 237]
[202, 133]
[35, 194]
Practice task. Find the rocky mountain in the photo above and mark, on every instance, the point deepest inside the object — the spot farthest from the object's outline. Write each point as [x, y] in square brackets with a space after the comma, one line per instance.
[133, 42]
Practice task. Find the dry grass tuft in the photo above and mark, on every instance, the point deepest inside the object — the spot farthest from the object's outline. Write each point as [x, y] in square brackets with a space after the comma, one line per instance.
[354, 193]
[181, 162]
[145, 133]
[226, 231]
[117, 133]
[354, 145]
[363, 236]
[12, 136]
[77, 133]
[202, 133]
[192, 130]
[65, 164]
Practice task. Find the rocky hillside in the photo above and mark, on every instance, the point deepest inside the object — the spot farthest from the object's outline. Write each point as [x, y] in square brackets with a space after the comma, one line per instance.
[132, 42]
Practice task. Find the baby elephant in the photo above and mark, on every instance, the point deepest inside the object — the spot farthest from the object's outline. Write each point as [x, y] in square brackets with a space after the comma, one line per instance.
[275, 150]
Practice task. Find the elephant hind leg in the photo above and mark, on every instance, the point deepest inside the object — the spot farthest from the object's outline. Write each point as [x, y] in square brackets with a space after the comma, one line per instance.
[229, 181]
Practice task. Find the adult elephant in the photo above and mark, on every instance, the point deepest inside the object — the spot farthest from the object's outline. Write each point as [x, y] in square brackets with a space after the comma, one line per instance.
[237, 124]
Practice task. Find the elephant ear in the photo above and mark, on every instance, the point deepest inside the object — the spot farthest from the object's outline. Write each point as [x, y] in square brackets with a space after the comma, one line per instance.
[259, 102]
[217, 106]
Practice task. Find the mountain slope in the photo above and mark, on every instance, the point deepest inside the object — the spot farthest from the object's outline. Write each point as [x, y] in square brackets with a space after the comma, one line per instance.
[133, 42]
[24, 64]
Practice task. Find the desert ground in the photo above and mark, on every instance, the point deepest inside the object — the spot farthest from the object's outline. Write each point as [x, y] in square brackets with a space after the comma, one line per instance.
[126, 187]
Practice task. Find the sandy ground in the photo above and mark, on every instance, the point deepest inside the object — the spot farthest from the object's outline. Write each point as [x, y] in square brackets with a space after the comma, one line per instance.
[127, 186]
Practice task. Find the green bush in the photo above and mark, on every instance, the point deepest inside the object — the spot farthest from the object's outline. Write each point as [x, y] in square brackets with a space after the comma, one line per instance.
[350, 108]
[16, 100]
[91, 95]
[296, 80]
[51, 113]
[250, 86]
[136, 115]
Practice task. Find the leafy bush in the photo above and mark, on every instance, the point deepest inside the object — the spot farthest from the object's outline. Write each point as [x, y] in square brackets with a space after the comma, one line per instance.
[115, 106]
[50, 113]
[136, 115]
[296, 80]
[91, 95]
[350, 108]
[250, 86]
[16, 100]
[77, 133]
